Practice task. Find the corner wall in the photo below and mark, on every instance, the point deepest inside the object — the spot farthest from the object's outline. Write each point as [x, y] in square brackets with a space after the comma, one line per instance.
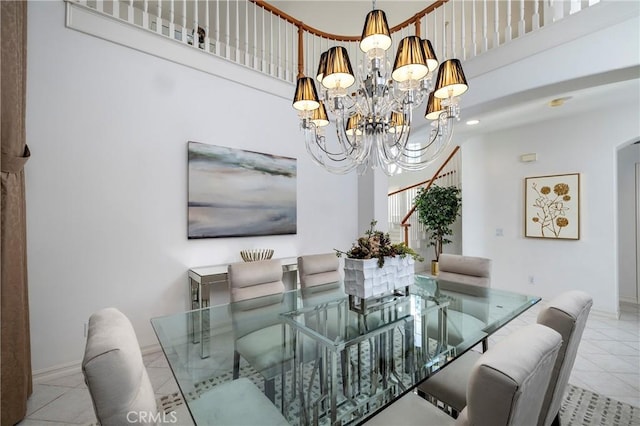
[586, 144]
[107, 181]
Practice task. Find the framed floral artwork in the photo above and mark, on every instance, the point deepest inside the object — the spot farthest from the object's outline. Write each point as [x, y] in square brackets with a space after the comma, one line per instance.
[552, 207]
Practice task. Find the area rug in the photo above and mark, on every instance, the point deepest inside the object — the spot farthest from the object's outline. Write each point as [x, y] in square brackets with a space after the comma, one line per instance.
[579, 408]
[583, 407]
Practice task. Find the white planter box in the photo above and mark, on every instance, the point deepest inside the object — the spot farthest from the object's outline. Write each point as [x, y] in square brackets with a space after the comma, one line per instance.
[364, 279]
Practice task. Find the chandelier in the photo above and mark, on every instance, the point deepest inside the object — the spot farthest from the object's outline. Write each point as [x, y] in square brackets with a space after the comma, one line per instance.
[373, 119]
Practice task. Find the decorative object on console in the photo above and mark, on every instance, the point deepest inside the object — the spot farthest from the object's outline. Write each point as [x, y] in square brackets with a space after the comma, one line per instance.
[256, 254]
[438, 208]
[236, 193]
[552, 207]
[374, 266]
[373, 122]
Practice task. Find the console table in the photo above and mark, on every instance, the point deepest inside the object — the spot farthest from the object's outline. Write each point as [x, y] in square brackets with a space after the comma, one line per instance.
[203, 277]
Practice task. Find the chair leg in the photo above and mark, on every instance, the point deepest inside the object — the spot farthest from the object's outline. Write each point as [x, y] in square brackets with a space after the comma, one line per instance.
[270, 389]
[236, 365]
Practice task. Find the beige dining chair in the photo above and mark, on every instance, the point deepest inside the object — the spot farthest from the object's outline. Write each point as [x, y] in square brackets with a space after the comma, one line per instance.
[122, 393]
[257, 295]
[319, 269]
[474, 314]
[465, 269]
[506, 386]
[567, 314]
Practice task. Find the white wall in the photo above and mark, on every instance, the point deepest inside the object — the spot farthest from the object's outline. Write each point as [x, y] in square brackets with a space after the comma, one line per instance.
[494, 188]
[106, 184]
[628, 195]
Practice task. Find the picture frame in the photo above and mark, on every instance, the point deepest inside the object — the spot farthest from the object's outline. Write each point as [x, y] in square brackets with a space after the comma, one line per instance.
[239, 193]
[552, 207]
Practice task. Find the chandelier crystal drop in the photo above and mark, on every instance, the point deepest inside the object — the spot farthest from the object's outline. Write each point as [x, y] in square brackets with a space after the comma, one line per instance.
[372, 112]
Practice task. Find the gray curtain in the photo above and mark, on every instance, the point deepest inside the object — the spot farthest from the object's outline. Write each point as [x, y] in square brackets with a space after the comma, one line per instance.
[14, 304]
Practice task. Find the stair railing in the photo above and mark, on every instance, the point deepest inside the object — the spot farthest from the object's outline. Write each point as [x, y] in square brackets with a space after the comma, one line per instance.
[448, 174]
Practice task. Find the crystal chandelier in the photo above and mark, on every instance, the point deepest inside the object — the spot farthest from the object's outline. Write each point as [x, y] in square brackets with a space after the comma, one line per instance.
[373, 119]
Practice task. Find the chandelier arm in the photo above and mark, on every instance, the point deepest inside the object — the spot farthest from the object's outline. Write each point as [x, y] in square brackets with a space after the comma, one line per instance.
[333, 162]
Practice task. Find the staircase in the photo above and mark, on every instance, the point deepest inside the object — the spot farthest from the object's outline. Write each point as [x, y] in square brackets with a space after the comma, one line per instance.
[403, 220]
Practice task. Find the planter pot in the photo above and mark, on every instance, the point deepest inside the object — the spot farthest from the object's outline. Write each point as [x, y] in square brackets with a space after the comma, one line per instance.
[435, 269]
[364, 279]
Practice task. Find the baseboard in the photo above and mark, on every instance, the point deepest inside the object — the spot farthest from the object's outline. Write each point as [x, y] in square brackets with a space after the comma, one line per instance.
[629, 301]
[51, 373]
[605, 314]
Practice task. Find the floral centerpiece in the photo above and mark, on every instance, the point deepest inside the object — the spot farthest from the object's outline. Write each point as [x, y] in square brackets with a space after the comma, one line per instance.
[374, 266]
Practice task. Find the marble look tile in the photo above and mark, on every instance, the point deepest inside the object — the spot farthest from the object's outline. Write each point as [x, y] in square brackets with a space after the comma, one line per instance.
[587, 347]
[159, 376]
[631, 379]
[72, 381]
[73, 407]
[614, 364]
[612, 347]
[29, 422]
[575, 380]
[582, 363]
[42, 395]
[607, 384]
[168, 388]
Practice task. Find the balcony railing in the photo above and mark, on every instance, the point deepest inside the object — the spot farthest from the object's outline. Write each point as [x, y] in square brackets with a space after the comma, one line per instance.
[254, 34]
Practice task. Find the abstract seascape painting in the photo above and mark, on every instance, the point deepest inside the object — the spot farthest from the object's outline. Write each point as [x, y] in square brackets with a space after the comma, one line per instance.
[237, 193]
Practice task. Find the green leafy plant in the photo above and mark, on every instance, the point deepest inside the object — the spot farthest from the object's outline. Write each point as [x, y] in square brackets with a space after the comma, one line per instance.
[376, 245]
[438, 208]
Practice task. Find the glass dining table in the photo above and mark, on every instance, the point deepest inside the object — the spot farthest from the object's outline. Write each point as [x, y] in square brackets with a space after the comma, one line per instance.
[323, 358]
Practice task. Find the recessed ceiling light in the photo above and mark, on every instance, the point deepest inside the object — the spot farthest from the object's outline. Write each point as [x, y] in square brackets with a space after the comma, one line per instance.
[472, 122]
[558, 101]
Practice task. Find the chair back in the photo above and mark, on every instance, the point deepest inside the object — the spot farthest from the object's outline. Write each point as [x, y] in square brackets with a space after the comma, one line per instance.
[114, 371]
[465, 269]
[250, 280]
[319, 269]
[507, 383]
[567, 314]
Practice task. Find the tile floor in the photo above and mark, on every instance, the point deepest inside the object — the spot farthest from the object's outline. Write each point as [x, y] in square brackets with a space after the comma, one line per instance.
[608, 363]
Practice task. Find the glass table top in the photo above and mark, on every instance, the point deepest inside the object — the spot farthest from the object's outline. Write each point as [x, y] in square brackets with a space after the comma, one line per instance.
[323, 358]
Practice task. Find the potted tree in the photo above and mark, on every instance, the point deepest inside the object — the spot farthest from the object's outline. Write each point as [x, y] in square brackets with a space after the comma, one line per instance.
[438, 208]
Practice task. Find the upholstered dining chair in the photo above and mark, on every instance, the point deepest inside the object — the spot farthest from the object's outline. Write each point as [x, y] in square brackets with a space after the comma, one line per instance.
[465, 269]
[119, 384]
[318, 269]
[506, 385]
[471, 270]
[257, 294]
[114, 371]
[567, 314]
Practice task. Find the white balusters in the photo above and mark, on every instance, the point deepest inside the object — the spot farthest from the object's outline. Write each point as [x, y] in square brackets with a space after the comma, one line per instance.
[507, 30]
[485, 38]
[145, 14]
[521, 22]
[183, 33]
[262, 40]
[496, 26]
[159, 17]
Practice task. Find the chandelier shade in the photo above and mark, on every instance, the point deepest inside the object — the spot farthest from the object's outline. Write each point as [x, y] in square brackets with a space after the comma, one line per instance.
[410, 63]
[306, 97]
[451, 80]
[373, 121]
[397, 123]
[434, 108]
[319, 116]
[338, 73]
[430, 55]
[322, 66]
[375, 33]
[352, 125]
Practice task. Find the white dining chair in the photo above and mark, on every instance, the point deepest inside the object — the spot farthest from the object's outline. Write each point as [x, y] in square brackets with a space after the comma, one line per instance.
[506, 386]
[567, 314]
